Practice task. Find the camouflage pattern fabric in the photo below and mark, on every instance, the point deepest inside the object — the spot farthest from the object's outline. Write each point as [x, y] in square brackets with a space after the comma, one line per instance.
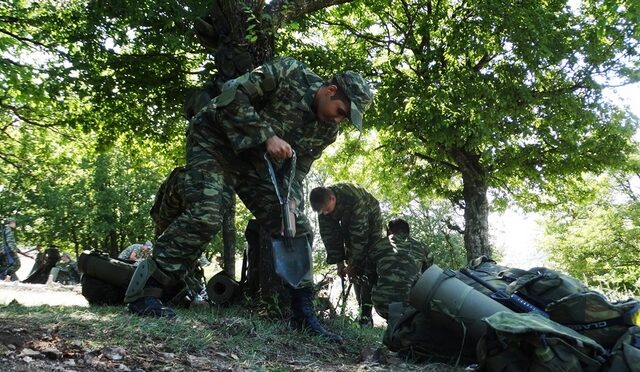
[225, 147]
[68, 273]
[531, 342]
[8, 249]
[348, 233]
[353, 227]
[399, 261]
[137, 248]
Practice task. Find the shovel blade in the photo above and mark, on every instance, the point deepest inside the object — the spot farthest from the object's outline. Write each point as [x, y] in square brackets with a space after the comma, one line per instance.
[292, 261]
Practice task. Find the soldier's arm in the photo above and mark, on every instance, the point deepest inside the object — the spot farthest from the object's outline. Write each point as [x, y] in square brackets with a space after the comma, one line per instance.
[332, 239]
[124, 255]
[237, 104]
[359, 237]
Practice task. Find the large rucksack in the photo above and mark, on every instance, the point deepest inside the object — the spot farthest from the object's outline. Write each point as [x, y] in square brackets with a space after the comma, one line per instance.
[564, 299]
[105, 281]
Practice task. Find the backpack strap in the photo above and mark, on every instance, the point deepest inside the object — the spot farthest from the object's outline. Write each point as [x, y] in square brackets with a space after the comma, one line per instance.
[445, 275]
[145, 270]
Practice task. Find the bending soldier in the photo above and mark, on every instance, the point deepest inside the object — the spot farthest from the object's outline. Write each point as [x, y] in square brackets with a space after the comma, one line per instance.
[398, 260]
[350, 224]
[136, 252]
[278, 107]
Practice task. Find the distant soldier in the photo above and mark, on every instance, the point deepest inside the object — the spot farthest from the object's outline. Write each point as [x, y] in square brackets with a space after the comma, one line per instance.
[350, 224]
[399, 260]
[9, 260]
[136, 252]
[67, 270]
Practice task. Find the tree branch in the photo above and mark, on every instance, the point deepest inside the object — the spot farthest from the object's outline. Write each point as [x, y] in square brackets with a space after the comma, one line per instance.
[285, 10]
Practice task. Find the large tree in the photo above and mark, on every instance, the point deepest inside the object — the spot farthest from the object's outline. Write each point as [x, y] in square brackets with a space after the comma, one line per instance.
[594, 235]
[115, 68]
[479, 95]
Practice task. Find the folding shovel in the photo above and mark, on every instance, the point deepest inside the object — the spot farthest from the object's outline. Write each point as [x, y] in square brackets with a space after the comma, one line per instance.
[291, 255]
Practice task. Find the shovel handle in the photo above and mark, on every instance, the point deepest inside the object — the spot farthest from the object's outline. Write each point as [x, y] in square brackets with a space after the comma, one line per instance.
[283, 197]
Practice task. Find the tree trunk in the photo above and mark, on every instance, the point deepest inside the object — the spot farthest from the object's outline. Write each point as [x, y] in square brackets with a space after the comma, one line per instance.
[476, 205]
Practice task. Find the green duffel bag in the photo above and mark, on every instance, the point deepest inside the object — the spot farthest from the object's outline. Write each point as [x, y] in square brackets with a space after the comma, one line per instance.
[625, 355]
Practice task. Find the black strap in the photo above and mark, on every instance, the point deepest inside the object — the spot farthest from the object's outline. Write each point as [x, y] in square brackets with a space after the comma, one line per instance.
[446, 274]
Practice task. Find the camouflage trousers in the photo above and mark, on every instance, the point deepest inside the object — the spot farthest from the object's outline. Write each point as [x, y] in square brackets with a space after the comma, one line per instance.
[189, 208]
[362, 286]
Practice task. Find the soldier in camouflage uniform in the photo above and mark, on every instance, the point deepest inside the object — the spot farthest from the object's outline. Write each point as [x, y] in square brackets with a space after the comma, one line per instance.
[350, 224]
[136, 252]
[67, 270]
[398, 260]
[9, 260]
[278, 107]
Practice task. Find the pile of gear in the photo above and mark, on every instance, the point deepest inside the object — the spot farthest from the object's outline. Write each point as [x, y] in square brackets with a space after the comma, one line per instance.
[508, 319]
[107, 281]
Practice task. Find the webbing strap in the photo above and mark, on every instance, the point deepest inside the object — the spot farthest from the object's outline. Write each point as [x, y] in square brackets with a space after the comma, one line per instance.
[446, 274]
[139, 279]
[396, 309]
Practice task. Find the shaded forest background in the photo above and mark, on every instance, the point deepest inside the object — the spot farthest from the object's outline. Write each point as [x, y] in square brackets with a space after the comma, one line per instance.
[480, 106]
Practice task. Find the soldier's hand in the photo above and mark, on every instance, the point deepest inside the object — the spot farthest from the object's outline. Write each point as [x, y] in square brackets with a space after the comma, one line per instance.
[278, 148]
[342, 272]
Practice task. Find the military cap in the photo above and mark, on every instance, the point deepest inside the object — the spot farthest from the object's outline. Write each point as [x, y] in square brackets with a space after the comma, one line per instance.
[8, 220]
[148, 244]
[359, 93]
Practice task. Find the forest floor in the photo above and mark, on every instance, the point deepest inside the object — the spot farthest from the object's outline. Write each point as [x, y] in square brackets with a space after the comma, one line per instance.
[52, 328]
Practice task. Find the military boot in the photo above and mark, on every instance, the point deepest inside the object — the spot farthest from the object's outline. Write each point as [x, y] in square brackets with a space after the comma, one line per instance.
[150, 306]
[304, 317]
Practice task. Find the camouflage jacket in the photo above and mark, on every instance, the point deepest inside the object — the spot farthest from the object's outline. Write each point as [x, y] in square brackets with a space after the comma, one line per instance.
[399, 261]
[9, 240]
[9, 260]
[274, 99]
[353, 227]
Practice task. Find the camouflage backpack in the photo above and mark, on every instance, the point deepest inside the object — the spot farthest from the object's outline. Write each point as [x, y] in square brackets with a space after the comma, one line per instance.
[593, 315]
[564, 298]
[530, 342]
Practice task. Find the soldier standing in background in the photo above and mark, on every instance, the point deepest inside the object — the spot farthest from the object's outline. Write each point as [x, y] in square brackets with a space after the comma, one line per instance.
[350, 224]
[278, 108]
[9, 260]
[398, 260]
